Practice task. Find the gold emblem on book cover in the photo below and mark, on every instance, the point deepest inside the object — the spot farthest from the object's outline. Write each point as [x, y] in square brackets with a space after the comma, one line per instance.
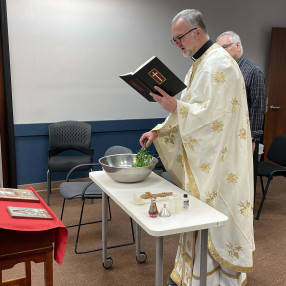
[158, 77]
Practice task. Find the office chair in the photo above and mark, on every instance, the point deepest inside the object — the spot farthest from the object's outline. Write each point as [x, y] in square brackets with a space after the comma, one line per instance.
[275, 166]
[89, 190]
[70, 145]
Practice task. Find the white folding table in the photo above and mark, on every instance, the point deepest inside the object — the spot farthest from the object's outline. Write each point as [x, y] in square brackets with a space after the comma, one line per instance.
[199, 216]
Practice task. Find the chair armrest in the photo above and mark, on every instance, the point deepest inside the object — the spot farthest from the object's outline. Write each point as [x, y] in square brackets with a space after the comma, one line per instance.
[85, 188]
[79, 166]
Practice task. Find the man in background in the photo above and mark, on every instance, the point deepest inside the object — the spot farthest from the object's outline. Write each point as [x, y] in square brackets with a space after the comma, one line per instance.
[205, 146]
[255, 89]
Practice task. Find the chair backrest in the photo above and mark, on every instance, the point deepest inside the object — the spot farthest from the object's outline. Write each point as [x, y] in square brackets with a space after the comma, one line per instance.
[277, 150]
[117, 150]
[70, 135]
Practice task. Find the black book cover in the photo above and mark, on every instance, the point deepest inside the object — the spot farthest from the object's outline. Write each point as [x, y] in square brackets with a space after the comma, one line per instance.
[153, 72]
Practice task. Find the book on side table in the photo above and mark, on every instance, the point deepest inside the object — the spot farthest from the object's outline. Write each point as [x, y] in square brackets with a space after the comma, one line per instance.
[153, 72]
[20, 195]
[22, 212]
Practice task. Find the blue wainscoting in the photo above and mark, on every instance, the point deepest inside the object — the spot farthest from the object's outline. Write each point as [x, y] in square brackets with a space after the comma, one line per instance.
[32, 143]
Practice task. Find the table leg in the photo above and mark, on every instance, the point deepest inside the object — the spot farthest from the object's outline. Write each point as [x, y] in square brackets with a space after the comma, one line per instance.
[106, 261]
[138, 239]
[204, 252]
[48, 265]
[28, 273]
[159, 261]
[140, 255]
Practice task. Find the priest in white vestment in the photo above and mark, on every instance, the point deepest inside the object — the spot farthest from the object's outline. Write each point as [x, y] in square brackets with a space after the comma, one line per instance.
[205, 145]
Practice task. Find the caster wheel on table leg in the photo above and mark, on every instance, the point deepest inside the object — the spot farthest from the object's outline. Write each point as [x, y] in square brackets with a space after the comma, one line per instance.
[108, 263]
[142, 257]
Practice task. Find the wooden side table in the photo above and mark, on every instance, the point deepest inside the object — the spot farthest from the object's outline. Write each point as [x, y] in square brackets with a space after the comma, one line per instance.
[26, 246]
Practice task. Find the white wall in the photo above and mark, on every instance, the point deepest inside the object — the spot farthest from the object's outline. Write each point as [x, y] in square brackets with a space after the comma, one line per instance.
[66, 55]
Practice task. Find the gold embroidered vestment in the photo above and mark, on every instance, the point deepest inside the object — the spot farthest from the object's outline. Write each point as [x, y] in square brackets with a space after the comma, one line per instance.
[206, 148]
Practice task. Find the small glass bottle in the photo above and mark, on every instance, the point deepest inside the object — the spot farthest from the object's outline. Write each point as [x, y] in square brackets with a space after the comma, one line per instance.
[185, 202]
[153, 211]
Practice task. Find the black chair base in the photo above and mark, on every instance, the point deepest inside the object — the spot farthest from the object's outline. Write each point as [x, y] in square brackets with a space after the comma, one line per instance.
[264, 192]
[99, 249]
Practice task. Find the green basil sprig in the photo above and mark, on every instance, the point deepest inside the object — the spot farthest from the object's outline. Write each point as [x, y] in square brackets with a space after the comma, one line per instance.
[142, 157]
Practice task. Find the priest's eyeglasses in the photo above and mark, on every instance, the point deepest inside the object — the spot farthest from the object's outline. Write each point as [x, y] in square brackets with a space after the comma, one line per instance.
[177, 41]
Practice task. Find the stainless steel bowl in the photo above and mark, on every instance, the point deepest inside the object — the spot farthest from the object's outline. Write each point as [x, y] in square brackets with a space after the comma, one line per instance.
[119, 168]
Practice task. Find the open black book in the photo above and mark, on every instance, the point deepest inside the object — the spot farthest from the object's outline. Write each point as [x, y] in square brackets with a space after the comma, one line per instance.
[153, 72]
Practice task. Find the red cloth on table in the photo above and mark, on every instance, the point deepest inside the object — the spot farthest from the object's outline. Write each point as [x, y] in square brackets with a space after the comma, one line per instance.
[60, 235]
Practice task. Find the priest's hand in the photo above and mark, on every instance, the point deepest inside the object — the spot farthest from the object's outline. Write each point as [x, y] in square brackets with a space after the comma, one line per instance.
[168, 102]
[150, 136]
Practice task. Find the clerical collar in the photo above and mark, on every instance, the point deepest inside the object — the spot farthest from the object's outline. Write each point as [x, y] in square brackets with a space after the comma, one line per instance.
[202, 49]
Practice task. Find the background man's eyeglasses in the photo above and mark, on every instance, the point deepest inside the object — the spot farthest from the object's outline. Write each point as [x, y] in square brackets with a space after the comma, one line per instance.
[177, 40]
[227, 46]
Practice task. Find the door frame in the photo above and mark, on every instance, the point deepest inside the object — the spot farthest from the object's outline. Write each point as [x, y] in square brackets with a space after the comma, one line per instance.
[6, 106]
[275, 89]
